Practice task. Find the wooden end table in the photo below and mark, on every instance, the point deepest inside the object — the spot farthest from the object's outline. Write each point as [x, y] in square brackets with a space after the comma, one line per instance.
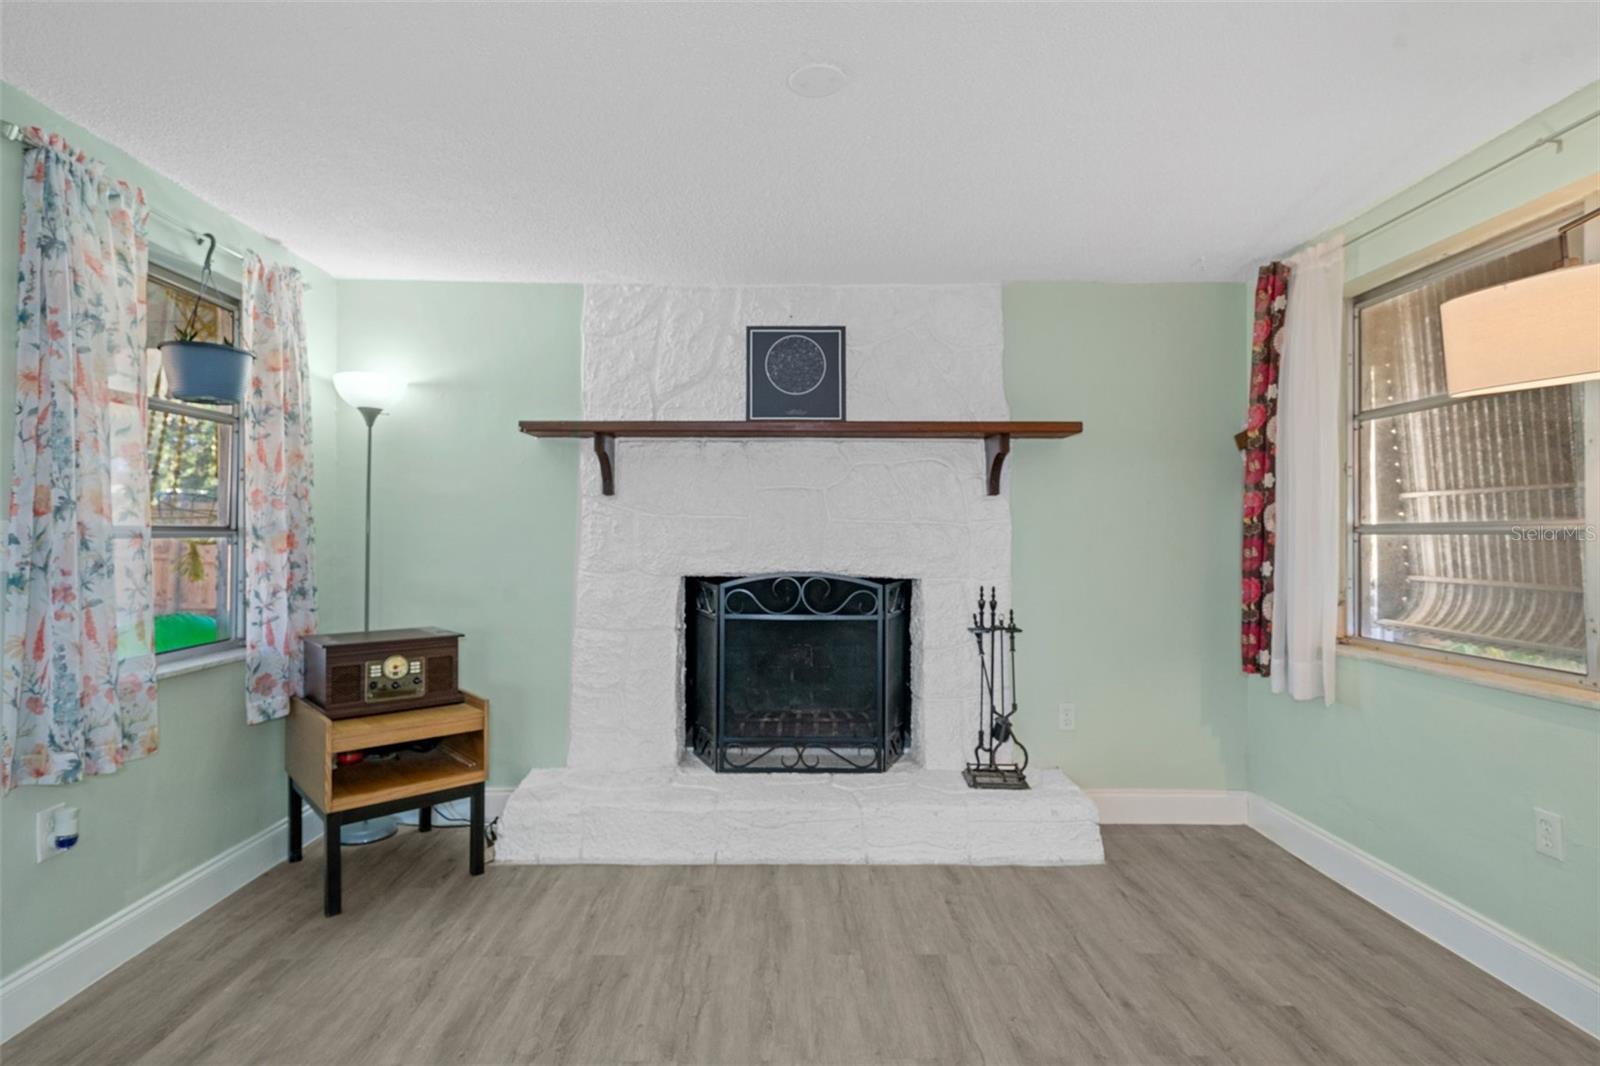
[456, 768]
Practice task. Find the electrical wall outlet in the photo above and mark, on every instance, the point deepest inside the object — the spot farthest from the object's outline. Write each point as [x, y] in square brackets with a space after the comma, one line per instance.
[47, 827]
[1547, 834]
[1067, 717]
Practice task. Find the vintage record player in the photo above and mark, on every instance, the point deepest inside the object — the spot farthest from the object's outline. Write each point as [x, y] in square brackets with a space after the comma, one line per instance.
[352, 674]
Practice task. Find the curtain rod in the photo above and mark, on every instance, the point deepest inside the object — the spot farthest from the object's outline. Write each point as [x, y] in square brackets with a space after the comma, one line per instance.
[1549, 138]
[11, 131]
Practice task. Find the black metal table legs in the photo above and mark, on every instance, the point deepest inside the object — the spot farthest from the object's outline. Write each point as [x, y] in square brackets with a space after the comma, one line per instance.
[294, 823]
[475, 830]
[332, 864]
[332, 876]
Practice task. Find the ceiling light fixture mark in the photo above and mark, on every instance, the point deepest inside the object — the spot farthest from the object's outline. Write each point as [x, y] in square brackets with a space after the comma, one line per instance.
[816, 80]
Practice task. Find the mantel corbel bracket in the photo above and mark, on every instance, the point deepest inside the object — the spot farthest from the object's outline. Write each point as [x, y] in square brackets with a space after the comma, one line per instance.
[996, 446]
[605, 450]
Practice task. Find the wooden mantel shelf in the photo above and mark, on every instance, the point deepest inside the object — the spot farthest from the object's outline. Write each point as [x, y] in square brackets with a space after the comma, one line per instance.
[997, 436]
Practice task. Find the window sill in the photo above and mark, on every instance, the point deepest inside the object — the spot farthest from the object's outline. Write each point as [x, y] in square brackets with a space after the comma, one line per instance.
[1408, 659]
[177, 667]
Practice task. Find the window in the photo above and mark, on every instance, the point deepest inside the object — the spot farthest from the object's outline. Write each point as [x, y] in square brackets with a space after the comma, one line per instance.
[1471, 518]
[195, 474]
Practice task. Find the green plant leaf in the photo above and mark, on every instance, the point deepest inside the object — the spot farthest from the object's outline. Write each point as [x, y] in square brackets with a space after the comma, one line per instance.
[193, 567]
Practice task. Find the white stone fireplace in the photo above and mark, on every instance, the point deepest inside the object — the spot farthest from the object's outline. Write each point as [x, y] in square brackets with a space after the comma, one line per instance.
[908, 509]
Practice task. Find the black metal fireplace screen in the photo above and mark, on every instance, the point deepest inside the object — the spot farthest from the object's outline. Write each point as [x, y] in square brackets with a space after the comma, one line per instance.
[798, 673]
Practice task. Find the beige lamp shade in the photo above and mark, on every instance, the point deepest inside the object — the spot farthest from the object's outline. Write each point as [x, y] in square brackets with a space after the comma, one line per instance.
[1527, 334]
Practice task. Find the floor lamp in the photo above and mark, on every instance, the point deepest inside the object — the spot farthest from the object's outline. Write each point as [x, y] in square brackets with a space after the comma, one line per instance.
[371, 393]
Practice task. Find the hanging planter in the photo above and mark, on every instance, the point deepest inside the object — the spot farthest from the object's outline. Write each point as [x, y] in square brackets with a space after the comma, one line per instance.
[203, 371]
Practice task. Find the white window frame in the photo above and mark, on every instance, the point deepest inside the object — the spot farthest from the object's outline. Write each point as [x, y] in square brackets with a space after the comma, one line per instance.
[1518, 676]
[174, 662]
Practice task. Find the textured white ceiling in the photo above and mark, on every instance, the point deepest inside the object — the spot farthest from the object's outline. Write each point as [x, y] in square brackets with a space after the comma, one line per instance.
[658, 142]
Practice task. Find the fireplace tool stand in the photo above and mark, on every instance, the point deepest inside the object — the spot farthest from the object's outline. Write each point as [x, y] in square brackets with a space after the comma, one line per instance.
[995, 661]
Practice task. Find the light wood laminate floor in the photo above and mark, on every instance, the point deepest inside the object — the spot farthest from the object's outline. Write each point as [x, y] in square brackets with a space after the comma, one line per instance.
[1194, 944]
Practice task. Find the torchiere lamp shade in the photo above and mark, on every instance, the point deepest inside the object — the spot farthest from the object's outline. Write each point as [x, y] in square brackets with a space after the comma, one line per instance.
[369, 388]
[1527, 334]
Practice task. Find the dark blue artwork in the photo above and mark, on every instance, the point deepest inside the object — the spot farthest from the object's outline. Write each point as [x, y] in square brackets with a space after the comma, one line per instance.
[795, 372]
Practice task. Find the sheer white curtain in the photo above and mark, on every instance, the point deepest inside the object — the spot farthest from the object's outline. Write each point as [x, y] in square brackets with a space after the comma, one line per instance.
[1306, 578]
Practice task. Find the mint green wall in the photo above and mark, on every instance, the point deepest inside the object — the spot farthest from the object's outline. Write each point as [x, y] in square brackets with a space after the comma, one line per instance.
[474, 524]
[1124, 539]
[215, 780]
[491, 550]
[1439, 778]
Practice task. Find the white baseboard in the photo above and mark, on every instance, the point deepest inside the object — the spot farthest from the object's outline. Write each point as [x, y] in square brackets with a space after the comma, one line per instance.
[55, 977]
[1169, 806]
[1555, 984]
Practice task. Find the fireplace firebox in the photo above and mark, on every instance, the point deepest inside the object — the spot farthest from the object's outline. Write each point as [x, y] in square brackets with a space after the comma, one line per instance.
[798, 673]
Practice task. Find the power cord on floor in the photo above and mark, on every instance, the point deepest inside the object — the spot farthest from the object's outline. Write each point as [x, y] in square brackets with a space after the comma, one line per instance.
[454, 814]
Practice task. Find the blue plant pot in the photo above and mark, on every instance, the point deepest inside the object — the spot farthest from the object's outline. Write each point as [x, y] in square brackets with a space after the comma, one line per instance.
[202, 372]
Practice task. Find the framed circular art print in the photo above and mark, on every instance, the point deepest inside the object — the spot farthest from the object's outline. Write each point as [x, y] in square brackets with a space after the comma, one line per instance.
[794, 372]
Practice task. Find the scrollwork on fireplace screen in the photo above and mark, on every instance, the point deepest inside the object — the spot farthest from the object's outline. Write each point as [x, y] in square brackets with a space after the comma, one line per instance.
[801, 759]
[798, 673]
[802, 594]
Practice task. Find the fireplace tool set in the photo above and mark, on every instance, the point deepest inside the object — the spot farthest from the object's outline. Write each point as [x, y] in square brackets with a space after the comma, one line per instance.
[995, 662]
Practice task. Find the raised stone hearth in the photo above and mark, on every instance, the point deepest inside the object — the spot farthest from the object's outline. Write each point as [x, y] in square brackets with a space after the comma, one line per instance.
[693, 816]
[908, 509]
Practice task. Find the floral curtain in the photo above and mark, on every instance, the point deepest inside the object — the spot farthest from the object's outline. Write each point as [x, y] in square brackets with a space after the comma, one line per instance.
[79, 667]
[280, 583]
[1260, 469]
